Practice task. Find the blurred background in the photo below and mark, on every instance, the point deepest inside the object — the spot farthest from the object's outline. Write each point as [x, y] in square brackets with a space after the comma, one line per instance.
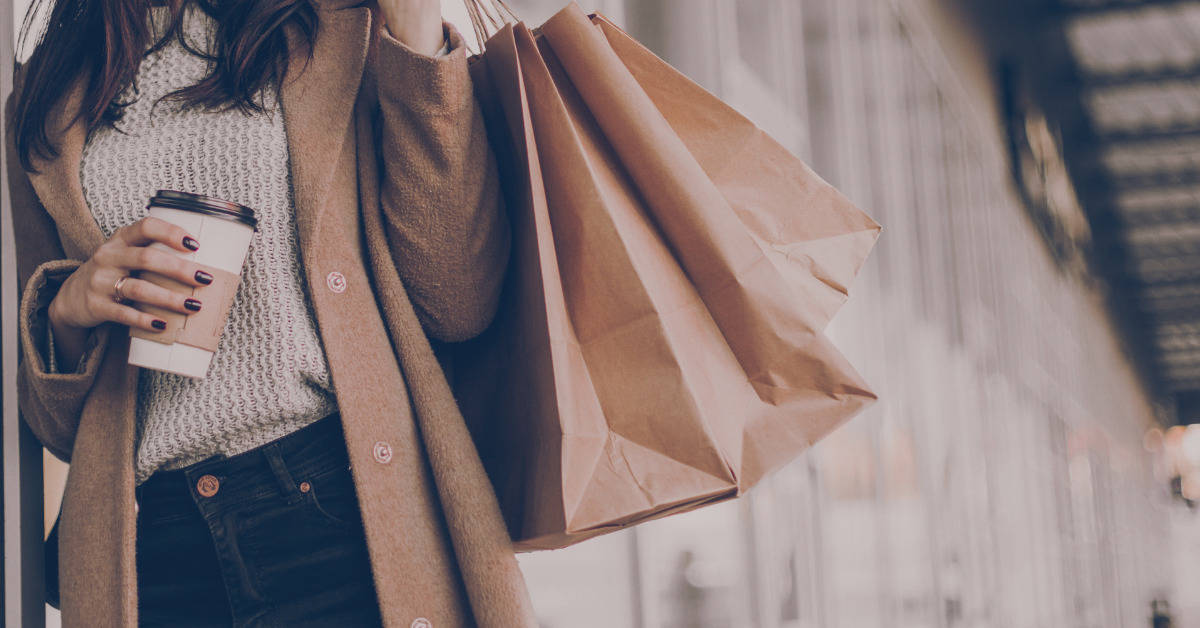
[1030, 319]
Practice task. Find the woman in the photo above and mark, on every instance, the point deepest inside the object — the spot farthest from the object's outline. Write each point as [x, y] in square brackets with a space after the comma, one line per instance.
[320, 474]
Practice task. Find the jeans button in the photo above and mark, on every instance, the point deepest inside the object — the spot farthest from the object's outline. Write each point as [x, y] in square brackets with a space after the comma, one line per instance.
[207, 485]
[421, 622]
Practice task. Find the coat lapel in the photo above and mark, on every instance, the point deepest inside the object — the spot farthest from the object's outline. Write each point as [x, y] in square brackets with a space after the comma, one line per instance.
[317, 103]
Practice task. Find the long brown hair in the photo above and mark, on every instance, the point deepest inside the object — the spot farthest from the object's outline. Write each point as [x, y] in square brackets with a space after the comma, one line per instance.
[103, 42]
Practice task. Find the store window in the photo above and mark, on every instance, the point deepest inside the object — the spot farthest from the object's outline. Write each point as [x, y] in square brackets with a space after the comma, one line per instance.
[696, 567]
[590, 585]
[759, 37]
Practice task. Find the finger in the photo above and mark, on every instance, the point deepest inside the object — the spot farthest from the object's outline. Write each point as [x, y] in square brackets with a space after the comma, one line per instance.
[149, 293]
[150, 229]
[163, 263]
[103, 282]
[126, 315]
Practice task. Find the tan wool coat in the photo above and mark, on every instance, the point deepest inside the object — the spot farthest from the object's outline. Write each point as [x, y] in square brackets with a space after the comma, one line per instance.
[396, 189]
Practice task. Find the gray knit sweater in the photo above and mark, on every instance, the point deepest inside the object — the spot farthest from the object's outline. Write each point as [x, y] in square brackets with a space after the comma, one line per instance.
[269, 376]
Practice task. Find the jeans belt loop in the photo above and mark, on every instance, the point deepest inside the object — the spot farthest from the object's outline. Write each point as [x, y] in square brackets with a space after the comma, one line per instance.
[287, 485]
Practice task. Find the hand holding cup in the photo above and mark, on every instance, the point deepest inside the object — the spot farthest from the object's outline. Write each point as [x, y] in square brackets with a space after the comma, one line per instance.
[86, 297]
[152, 276]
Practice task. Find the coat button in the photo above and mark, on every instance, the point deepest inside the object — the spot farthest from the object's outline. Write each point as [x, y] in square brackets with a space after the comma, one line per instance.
[421, 622]
[336, 282]
[383, 452]
[207, 485]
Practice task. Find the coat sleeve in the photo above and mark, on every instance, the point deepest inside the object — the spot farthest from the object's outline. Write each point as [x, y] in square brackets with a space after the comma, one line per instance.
[50, 402]
[439, 189]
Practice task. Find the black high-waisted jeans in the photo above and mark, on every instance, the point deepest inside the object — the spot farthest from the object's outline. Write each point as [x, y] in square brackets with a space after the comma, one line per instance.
[269, 537]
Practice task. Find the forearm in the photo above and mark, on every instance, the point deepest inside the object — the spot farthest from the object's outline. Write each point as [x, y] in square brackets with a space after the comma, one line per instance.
[51, 400]
[440, 196]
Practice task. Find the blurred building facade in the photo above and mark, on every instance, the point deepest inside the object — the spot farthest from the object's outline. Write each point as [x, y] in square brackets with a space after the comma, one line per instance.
[1002, 480]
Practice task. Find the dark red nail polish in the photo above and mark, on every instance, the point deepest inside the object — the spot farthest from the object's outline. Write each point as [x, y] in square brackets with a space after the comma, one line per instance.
[158, 324]
[192, 304]
[190, 243]
[203, 277]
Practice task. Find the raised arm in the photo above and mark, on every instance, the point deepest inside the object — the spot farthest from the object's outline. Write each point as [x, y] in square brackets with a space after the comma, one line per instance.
[446, 227]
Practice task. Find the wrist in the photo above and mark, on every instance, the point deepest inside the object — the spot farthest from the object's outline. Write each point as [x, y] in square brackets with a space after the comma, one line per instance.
[52, 314]
[59, 322]
[419, 28]
[67, 341]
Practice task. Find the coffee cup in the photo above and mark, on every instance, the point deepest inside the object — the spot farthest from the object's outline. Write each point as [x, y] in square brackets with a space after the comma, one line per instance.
[224, 230]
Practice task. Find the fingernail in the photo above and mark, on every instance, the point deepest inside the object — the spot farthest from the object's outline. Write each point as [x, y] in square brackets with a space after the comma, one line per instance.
[203, 277]
[190, 243]
[192, 304]
[158, 324]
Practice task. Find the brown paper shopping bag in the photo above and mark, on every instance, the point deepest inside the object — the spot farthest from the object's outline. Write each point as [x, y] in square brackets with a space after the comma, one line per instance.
[659, 344]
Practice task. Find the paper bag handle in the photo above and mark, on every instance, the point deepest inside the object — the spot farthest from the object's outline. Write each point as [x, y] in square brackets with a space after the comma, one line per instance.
[488, 16]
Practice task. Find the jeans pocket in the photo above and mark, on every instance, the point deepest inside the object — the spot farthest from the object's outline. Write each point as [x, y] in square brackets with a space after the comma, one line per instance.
[331, 497]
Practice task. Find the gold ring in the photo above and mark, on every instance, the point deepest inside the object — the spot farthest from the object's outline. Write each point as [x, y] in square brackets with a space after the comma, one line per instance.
[117, 296]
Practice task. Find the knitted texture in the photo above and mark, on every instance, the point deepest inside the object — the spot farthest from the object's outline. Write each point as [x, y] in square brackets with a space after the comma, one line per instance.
[269, 375]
